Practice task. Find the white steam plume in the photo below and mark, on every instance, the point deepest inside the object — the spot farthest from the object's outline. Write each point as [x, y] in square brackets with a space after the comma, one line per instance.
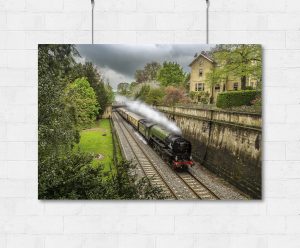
[149, 113]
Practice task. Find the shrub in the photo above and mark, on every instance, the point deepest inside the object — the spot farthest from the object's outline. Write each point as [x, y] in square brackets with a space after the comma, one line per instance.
[175, 95]
[237, 98]
[81, 96]
[200, 96]
[257, 101]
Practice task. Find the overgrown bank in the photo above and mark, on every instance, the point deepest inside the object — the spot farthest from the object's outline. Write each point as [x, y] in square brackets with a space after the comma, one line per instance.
[70, 98]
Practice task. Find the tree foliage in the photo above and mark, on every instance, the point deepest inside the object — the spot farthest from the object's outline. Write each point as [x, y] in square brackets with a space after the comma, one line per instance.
[143, 93]
[123, 88]
[81, 96]
[155, 96]
[171, 73]
[148, 73]
[152, 96]
[200, 96]
[214, 77]
[151, 70]
[56, 123]
[103, 90]
[240, 61]
[71, 177]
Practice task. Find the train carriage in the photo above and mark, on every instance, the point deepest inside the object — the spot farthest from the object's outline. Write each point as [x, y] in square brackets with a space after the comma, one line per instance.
[144, 128]
[123, 112]
[134, 119]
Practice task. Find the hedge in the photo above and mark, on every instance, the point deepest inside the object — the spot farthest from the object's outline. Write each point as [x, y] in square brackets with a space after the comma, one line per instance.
[237, 98]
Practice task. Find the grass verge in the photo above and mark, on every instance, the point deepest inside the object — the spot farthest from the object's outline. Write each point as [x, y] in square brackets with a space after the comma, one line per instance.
[98, 140]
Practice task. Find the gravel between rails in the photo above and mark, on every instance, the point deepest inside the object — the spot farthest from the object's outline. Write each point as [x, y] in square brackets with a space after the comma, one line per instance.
[223, 189]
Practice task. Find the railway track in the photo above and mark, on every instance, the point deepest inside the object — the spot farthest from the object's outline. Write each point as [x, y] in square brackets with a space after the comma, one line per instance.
[145, 162]
[197, 187]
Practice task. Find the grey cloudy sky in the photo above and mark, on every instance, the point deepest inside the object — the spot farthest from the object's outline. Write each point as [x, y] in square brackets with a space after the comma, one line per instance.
[118, 62]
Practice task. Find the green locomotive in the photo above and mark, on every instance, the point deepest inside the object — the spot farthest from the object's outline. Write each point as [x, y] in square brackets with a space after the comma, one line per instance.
[173, 148]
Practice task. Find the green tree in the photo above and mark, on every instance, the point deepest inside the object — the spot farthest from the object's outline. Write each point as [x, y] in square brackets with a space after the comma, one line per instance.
[131, 87]
[70, 176]
[82, 97]
[123, 88]
[109, 94]
[171, 73]
[155, 96]
[151, 70]
[212, 78]
[241, 61]
[96, 81]
[143, 93]
[57, 129]
[148, 73]
[140, 76]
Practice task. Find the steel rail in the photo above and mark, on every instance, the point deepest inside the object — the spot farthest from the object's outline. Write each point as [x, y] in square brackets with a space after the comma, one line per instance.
[149, 171]
[199, 189]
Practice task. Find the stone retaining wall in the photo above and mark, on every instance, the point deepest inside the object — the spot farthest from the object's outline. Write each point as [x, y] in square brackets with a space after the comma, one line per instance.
[228, 143]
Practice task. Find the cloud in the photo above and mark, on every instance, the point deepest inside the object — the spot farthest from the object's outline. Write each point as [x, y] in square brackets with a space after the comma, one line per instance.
[118, 62]
[114, 76]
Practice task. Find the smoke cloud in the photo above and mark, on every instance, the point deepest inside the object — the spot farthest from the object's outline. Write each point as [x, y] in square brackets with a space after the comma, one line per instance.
[149, 113]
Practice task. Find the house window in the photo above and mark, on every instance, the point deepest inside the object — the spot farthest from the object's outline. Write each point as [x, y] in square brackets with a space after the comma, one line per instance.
[199, 87]
[236, 86]
[217, 87]
[200, 72]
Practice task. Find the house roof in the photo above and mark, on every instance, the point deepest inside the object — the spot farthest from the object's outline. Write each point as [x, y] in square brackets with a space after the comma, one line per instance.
[202, 54]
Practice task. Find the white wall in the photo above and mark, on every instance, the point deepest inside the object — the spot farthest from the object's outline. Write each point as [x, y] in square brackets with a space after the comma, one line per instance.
[27, 222]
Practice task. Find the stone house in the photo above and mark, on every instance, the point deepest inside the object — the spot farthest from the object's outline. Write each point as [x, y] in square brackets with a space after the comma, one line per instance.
[203, 64]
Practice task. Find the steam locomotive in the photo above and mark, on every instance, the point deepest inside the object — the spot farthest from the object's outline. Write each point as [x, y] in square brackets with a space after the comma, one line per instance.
[173, 148]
